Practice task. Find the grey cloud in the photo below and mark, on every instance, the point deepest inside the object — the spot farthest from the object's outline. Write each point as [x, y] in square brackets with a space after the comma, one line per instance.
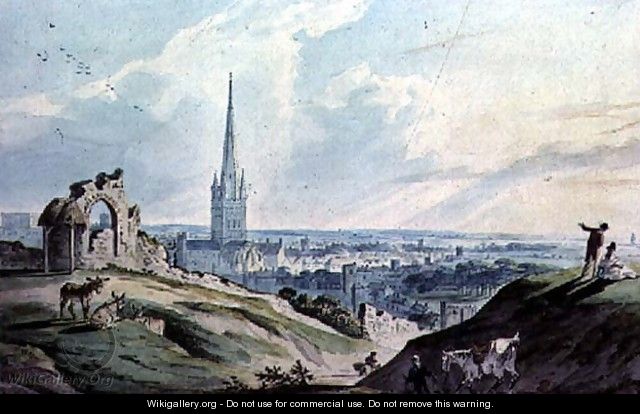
[592, 110]
[547, 162]
[455, 173]
[360, 155]
[621, 128]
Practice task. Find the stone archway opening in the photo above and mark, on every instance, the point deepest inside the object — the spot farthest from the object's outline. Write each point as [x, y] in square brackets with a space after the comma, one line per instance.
[74, 235]
[103, 229]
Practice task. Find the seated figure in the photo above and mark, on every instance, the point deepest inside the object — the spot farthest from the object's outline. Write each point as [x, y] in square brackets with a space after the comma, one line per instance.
[611, 268]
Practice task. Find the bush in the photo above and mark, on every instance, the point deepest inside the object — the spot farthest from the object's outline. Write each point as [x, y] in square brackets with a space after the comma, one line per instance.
[328, 311]
[287, 293]
[300, 375]
[233, 384]
[275, 377]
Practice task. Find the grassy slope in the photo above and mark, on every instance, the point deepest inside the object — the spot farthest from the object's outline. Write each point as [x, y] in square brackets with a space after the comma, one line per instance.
[574, 338]
[209, 336]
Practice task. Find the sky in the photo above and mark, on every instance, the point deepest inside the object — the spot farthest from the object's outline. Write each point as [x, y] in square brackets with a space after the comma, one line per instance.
[480, 116]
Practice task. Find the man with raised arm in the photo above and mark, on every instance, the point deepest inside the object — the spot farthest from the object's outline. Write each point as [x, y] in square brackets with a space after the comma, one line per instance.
[594, 248]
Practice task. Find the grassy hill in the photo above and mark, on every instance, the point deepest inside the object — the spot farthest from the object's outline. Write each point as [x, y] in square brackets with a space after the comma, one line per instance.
[575, 338]
[210, 334]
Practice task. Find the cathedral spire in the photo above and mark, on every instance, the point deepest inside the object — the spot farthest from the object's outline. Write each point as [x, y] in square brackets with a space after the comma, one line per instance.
[229, 197]
[229, 157]
[230, 104]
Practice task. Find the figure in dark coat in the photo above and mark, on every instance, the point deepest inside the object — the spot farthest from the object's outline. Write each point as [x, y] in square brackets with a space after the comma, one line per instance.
[417, 376]
[594, 249]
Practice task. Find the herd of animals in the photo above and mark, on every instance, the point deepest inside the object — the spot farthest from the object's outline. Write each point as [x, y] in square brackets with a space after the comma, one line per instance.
[498, 359]
[108, 313]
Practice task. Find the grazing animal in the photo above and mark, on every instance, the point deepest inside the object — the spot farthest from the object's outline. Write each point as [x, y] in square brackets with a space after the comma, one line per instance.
[501, 358]
[498, 360]
[82, 292]
[107, 314]
[155, 325]
[464, 359]
[113, 311]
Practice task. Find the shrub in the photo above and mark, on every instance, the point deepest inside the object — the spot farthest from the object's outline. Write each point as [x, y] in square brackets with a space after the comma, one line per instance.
[287, 293]
[300, 375]
[328, 311]
[275, 377]
[233, 384]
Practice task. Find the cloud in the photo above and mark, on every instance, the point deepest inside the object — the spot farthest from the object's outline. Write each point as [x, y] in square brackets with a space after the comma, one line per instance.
[33, 105]
[337, 126]
[621, 128]
[457, 209]
[392, 92]
[594, 110]
[455, 173]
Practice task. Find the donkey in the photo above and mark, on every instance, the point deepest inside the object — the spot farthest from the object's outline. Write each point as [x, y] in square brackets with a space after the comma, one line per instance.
[137, 314]
[82, 292]
[107, 314]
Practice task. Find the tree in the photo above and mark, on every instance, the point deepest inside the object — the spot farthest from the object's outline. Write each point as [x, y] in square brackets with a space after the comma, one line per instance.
[287, 293]
[273, 377]
[301, 301]
[324, 301]
[233, 384]
[300, 375]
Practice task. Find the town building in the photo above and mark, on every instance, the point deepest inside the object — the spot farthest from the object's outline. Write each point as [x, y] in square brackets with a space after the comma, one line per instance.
[22, 227]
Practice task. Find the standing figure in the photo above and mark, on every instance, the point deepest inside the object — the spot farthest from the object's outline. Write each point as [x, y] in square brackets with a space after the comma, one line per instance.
[417, 376]
[594, 248]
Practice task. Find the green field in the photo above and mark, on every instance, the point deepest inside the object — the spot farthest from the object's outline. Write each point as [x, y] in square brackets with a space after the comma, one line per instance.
[209, 335]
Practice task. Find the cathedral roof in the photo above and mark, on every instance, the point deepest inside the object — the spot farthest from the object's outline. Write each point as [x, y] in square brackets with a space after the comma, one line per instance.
[270, 249]
[204, 244]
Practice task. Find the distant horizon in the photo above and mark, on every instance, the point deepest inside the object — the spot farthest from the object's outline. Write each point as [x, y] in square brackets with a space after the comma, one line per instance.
[579, 234]
[452, 232]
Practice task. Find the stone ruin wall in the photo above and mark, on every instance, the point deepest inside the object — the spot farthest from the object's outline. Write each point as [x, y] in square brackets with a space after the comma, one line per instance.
[383, 327]
[66, 224]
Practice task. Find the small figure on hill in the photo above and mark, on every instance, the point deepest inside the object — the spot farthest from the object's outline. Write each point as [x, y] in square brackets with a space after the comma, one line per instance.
[611, 268]
[372, 361]
[417, 376]
[594, 248]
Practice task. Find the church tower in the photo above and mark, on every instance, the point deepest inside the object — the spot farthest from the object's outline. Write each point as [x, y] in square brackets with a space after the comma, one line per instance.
[228, 194]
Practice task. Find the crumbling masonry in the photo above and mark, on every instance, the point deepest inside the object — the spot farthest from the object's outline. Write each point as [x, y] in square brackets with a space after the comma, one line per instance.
[65, 222]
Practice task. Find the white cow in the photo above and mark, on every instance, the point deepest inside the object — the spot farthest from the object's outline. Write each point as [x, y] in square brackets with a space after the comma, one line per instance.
[501, 358]
[464, 359]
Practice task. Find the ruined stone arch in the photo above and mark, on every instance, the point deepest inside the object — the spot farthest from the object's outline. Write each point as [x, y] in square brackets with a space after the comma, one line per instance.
[66, 222]
[115, 222]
